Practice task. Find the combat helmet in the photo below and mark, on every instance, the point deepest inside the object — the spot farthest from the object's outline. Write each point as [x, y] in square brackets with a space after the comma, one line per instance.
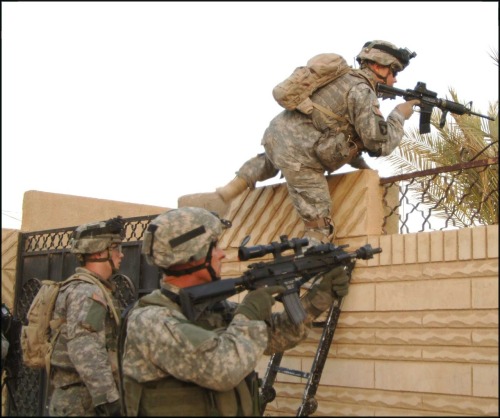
[387, 54]
[97, 236]
[180, 236]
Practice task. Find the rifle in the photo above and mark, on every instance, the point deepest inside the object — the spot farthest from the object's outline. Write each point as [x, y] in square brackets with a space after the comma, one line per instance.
[428, 100]
[290, 271]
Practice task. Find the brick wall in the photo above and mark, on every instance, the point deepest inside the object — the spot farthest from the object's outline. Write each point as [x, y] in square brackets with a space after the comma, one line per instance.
[10, 239]
[418, 333]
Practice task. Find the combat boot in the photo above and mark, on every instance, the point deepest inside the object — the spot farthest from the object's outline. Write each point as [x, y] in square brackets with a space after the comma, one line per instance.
[217, 201]
[319, 231]
[232, 189]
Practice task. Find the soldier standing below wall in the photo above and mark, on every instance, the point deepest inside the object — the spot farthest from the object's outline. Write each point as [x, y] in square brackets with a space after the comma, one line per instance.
[344, 121]
[84, 372]
[173, 366]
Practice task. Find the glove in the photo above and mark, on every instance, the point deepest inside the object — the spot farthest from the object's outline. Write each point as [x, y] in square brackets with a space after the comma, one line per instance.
[359, 163]
[110, 409]
[406, 109]
[336, 282]
[340, 281]
[258, 303]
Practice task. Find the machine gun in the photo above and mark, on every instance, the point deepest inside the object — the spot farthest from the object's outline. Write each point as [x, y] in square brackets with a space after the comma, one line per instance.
[428, 100]
[290, 271]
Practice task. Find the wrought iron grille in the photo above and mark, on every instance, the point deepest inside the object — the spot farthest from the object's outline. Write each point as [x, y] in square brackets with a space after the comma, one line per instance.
[457, 196]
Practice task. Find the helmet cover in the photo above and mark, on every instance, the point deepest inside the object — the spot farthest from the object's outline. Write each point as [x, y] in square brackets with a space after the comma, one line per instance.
[97, 236]
[180, 236]
[387, 54]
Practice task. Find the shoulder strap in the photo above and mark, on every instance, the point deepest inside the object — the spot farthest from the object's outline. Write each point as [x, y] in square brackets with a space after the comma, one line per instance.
[329, 112]
[84, 277]
[122, 334]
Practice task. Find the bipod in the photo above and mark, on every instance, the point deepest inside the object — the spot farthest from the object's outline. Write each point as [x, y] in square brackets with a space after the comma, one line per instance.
[309, 403]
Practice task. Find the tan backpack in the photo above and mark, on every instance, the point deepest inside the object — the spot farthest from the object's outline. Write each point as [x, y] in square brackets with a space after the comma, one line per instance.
[40, 334]
[294, 92]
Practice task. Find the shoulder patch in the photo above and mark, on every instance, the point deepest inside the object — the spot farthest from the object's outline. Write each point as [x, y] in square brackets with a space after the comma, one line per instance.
[95, 317]
[382, 126]
[188, 333]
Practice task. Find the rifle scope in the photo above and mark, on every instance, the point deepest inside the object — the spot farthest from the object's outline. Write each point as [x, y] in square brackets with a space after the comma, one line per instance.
[275, 248]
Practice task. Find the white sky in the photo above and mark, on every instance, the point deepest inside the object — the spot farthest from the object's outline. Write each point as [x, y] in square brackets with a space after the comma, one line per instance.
[144, 102]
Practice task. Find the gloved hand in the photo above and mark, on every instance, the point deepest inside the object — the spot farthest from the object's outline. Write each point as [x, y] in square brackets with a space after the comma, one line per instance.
[406, 109]
[339, 280]
[110, 409]
[335, 281]
[257, 304]
[333, 284]
[359, 163]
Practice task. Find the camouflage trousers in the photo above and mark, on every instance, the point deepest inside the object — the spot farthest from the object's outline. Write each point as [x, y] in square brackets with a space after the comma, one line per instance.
[307, 187]
[73, 400]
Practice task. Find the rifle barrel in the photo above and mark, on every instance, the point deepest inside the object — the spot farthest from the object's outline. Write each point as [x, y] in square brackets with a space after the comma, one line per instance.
[482, 116]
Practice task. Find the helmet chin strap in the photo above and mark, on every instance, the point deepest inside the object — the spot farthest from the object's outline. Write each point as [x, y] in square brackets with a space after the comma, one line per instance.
[114, 270]
[206, 265]
[378, 75]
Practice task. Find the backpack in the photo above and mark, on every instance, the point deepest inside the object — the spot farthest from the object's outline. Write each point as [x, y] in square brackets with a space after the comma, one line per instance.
[295, 91]
[38, 337]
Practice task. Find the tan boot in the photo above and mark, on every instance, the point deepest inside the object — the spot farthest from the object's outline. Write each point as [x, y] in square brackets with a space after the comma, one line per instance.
[317, 236]
[319, 231]
[232, 189]
[209, 201]
[217, 201]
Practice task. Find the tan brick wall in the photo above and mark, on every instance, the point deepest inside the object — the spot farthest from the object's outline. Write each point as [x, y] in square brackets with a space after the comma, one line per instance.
[418, 333]
[9, 259]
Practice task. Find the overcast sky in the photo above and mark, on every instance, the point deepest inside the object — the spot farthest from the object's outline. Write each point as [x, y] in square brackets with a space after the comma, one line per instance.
[144, 102]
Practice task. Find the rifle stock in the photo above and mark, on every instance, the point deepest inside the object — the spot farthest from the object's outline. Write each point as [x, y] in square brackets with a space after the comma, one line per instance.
[290, 271]
[428, 100]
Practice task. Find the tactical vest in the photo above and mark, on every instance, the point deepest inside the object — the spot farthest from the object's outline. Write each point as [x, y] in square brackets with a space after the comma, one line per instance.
[173, 397]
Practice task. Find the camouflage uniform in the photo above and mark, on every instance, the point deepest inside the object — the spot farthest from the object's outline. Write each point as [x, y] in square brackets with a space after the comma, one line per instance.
[84, 362]
[166, 353]
[303, 146]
